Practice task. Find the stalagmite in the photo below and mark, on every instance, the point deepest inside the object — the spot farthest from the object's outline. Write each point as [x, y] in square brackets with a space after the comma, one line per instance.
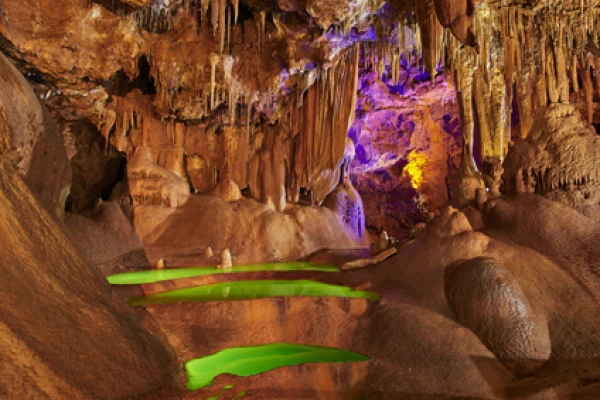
[383, 243]
[395, 68]
[226, 261]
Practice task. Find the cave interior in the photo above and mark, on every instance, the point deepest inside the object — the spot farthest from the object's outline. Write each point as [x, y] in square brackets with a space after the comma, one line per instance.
[294, 199]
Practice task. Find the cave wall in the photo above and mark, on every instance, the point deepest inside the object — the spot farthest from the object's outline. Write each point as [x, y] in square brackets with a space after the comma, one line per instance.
[64, 333]
[303, 147]
[33, 140]
[212, 93]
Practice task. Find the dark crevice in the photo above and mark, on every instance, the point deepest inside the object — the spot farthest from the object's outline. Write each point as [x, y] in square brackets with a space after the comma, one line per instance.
[144, 81]
[245, 13]
[29, 71]
[115, 173]
[96, 168]
[119, 83]
[476, 139]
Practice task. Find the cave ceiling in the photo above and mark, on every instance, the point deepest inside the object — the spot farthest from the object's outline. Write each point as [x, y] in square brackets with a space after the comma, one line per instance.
[76, 52]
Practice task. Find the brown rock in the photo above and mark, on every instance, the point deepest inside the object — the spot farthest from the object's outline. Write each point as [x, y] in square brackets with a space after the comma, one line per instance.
[36, 145]
[488, 300]
[62, 326]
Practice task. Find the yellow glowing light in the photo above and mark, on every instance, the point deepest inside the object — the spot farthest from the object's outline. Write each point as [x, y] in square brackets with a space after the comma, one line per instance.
[414, 168]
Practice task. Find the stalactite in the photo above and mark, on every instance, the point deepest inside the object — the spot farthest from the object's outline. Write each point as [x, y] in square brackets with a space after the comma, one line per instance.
[204, 8]
[206, 103]
[595, 76]
[236, 10]
[232, 107]
[263, 20]
[430, 35]
[229, 30]
[322, 117]
[511, 63]
[380, 68]
[213, 59]
[418, 49]
[248, 115]
[573, 70]
[464, 86]
[222, 14]
[214, 16]
[588, 89]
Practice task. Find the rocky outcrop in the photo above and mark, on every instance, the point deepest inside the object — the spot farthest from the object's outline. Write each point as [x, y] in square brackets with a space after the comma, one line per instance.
[152, 185]
[34, 142]
[488, 300]
[65, 334]
[522, 294]
[106, 238]
[253, 232]
[558, 160]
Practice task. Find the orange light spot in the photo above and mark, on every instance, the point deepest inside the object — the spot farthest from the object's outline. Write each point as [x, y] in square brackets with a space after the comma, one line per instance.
[414, 169]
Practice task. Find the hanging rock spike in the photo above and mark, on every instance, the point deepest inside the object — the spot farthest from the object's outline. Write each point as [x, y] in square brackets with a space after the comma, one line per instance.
[236, 10]
[214, 59]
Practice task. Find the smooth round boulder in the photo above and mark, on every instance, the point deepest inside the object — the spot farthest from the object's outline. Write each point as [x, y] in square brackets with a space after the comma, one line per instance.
[488, 300]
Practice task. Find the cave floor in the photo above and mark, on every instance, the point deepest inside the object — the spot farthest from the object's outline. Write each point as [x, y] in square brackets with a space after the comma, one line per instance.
[420, 341]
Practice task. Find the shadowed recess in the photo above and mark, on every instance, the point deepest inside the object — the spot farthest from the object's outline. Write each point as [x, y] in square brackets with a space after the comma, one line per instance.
[253, 360]
[153, 276]
[247, 290]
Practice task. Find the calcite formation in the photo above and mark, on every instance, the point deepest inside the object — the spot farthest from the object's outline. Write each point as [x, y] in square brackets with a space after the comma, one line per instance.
[345, 200]
[278, 79]
[215, 90]
[152, 185]
[558, 160]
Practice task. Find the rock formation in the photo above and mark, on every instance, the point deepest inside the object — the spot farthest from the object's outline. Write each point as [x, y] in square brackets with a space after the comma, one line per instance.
[558, 160]
[61, 325]
[487, 299]
[345, 201]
